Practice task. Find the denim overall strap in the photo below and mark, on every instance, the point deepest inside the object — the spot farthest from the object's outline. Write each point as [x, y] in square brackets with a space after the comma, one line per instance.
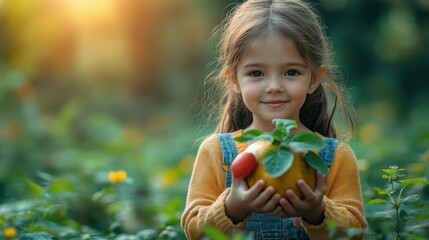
[327, 153]
[229, 152]
[262, 226]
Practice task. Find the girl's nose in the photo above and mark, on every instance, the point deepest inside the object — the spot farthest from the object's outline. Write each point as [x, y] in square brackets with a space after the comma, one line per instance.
[274, 85]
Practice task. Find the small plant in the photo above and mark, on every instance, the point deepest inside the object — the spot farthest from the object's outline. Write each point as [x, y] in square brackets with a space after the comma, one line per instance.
[280, 157]
[395, 195]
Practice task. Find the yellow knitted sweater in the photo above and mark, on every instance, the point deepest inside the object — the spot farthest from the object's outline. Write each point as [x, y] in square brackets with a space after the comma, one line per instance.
[207, 193]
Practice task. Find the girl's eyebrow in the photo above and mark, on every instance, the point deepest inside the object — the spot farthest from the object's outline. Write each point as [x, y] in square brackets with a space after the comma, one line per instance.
[289, 64]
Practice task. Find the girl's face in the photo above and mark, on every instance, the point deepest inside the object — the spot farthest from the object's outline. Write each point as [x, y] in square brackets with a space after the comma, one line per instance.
[273, 80]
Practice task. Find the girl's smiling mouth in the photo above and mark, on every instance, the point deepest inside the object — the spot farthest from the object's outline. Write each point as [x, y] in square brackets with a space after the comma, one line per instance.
[275, 103]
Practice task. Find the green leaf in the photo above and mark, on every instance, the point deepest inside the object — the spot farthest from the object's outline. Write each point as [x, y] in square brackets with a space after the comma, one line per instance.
[392, 171]
[286, 142]
[411, 199]
[277, 162]
[316, 162]
[35, 188]
[60, 184]
[248, 135]
[307, 141]
[278, 136]
[285, 124]
[377, 200]
[381, 191]
[413, 181]
[266, 137]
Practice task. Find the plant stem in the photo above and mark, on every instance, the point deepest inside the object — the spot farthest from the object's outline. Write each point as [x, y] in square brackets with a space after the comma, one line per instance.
[397, 222]
[396, 205]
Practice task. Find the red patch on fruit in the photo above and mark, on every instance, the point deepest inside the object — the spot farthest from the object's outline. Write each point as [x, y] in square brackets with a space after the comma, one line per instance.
[243, 165]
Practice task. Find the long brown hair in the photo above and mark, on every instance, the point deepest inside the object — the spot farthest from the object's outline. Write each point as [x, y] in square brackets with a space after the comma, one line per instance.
[294, 20]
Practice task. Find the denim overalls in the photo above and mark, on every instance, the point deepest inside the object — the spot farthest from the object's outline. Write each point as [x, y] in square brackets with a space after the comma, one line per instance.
[262, 226]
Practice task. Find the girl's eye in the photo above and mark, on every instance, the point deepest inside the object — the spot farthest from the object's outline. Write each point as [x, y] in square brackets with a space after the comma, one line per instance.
[256, 74]
[292, 73]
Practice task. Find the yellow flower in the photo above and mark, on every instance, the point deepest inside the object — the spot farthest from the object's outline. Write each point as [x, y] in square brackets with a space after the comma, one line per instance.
[9, 232]
[121, 175]
[117, 177]
[112, 176]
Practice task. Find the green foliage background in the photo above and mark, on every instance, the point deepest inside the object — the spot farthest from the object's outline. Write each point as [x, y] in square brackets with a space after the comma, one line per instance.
[89, 87]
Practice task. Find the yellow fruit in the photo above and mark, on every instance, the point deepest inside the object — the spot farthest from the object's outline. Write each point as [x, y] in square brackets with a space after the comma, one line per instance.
[299, 170]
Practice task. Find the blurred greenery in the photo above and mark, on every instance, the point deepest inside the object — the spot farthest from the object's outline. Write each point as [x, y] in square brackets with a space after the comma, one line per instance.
[88, 88]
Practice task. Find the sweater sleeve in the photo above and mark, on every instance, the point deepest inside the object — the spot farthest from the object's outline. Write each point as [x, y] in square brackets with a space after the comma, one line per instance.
[207, 193]
[343, 198]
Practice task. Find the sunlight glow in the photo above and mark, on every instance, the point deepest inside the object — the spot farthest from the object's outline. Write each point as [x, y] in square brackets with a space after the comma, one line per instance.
[87, 11]
[101, 40]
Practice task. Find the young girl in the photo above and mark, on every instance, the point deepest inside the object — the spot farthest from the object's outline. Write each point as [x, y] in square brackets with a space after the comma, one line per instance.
[276, 63]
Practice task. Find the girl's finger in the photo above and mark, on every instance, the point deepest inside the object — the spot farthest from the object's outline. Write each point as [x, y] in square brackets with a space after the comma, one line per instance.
[255, 190]
[277, 211]
[294, 200]
[263, 198]
[287, 207]
[320, 183]
[271, 204]
[305, 189]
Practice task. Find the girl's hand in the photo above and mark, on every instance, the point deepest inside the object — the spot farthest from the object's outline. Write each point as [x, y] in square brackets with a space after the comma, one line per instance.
[311, 207]
[243, 200]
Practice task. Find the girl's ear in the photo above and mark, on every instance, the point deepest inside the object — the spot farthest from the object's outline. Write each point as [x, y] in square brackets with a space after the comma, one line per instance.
[316, 80]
